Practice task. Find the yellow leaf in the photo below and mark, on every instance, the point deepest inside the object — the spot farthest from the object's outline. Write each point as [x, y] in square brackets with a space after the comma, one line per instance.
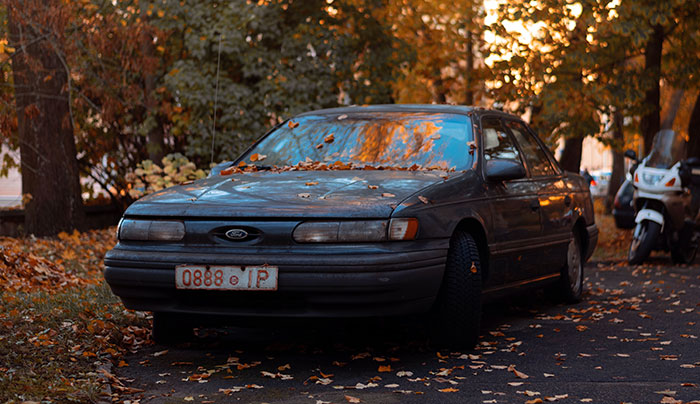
[449, 390]
[384, 368]
[161, 13]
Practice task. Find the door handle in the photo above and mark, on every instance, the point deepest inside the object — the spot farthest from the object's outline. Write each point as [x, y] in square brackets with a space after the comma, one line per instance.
[535, 204]
[567, 200]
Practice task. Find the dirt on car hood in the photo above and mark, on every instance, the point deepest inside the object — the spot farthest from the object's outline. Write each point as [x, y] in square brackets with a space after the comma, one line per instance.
[342, 193]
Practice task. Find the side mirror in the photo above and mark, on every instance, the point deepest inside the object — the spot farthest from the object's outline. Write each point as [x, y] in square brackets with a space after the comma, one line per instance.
[630, 154]
[498, 170]
[217, 168]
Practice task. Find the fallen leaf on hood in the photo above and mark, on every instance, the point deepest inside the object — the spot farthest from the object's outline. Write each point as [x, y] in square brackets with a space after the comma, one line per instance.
[293, 124]
[319, 146]
[372, 186]
[257, 157]
[581, 328]
[351, 399]
[329, 139]
[423, 199]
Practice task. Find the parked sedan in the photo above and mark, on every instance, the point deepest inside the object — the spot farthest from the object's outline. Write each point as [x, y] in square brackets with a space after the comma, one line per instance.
[361, 211]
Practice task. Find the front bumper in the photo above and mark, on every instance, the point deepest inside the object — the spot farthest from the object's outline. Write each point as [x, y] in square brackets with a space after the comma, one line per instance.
[319, 281]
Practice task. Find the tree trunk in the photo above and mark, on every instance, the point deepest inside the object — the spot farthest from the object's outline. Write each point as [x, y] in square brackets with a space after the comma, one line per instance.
[156, 138]
[673, 107]
[47, 147]
[617, 176]
[694, 130]
[469, 93]
[650, 123]
[570, 159]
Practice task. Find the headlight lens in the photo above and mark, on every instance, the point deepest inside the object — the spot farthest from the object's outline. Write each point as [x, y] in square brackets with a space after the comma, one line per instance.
[356, 231]
[651, 179]
[151, 230]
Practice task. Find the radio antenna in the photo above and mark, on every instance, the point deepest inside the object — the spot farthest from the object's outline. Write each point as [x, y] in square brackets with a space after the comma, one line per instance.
[216, 101]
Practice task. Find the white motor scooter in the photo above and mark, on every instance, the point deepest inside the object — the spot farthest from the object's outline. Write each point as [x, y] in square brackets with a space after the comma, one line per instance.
[665, 210]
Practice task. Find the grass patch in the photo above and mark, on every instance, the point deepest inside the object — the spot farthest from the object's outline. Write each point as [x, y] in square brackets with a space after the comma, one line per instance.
[59, 322]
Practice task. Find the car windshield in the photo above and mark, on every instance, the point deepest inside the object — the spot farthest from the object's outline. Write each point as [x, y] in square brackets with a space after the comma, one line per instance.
[401, 140]
[668, 149]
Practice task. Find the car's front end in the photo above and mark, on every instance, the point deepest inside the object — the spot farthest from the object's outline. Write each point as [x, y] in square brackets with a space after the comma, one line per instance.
[334, 235]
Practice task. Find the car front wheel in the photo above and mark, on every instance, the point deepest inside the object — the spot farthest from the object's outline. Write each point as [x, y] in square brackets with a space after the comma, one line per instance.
[459, 303]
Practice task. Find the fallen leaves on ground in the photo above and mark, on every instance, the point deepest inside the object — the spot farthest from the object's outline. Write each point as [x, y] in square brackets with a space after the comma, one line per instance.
[58, 319]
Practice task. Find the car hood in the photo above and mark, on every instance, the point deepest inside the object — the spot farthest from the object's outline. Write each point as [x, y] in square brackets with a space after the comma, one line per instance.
[351, 194]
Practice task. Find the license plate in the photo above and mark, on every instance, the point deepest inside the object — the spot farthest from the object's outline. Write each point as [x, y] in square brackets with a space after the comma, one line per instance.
[224, 277]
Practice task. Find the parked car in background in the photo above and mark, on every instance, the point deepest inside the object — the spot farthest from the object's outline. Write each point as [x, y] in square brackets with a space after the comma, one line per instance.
[599, 185]
[623, 209]
[361, 212]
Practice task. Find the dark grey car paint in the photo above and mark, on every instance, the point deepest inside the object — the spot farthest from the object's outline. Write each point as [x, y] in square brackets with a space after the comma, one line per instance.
[526, 241]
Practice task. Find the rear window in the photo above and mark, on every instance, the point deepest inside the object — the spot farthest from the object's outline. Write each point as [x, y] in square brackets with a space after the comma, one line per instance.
[410, 140]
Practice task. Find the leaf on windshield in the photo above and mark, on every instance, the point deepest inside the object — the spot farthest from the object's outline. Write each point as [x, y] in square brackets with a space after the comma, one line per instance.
[372, 186]
[304, 195]
[319, 146]
[329, 139]
[311, 183]
[293, 124]
[341, 117]
[257, 157]
[423, 199]
[388, 195]
[242, 164]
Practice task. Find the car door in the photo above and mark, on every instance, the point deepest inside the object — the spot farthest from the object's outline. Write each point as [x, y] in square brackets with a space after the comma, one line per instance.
[553, 196]
[514, 208]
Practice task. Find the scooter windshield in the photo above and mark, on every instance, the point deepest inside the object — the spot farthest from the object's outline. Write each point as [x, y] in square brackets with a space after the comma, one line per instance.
[669, 148]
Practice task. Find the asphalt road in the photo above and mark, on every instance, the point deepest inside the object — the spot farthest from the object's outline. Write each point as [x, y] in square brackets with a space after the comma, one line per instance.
[633, 339]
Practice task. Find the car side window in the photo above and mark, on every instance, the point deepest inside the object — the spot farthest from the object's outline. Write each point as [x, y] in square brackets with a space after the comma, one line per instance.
[537, 160]
[497, 143]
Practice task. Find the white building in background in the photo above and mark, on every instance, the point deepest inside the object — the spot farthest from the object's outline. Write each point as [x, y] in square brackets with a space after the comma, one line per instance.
[595, 156]
[11, 190]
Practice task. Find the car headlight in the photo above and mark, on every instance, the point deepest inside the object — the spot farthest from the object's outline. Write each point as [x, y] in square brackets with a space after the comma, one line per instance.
[151, 230]
[356, 231]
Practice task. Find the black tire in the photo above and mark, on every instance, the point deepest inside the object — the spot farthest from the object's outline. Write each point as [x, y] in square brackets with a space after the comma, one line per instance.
[458, 314]
[645, 235]
[169, 328]
[571, 282]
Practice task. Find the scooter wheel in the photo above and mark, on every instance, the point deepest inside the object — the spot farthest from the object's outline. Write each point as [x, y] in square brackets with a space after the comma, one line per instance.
[645, 235]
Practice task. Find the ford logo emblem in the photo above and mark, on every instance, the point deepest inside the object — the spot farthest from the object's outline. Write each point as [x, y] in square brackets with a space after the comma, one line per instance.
[236, 234]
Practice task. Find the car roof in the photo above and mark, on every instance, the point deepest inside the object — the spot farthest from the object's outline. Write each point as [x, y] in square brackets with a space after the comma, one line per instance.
[435, 108]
